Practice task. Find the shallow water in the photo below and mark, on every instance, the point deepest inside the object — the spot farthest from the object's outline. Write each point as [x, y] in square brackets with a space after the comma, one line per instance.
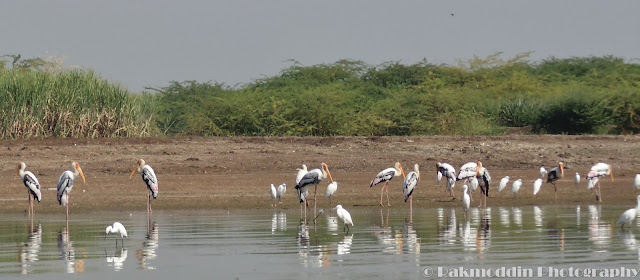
[274, 244]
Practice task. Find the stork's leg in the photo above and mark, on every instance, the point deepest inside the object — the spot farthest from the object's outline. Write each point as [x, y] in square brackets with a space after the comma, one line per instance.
[68, 202]
[599, 195]
[382, 192]
[315, 190]
[411, 205]
[555, 192]
[386, 190]
[29, 206]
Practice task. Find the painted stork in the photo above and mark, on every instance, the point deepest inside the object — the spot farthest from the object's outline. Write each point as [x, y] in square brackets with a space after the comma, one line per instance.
[554, 175]
[344, 215]
[484, 180]
[31, 183]
[149, 178]
[449, 172]
[302, 194]
[313, 177]
[628, 216]
[467, 171]
[409, 185]
[515, 187]
[385, 176]
[331, 190]
[599, 170]
[117, 228]
[65, 184]
[503, 183]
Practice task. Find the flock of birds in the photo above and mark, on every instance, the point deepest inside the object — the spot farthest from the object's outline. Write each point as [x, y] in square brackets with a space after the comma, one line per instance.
[472, 172]
[67, 180]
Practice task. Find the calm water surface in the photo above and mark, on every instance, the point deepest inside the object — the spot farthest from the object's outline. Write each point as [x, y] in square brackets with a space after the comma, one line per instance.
[275, 244]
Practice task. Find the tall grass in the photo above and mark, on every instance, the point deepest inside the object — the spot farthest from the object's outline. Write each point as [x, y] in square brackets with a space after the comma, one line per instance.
[67, 104]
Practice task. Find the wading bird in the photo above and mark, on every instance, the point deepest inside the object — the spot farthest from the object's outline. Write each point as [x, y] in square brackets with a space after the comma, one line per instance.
[31, 182]
[409, 185]
[537, 184]
[449, 172]
[515, 187]
[282, 189]
[117, 228]
[385, 176]
[302, 193]
[65, 184]
[149, 178]
[628, 216]
[344, 215]
[484, 180]
[503, 183]
[576, 179]
[273, 192]
[331, 190]
[636, 182]
[543, 172]
[313, 177]
[554, 175]
[601, 169]
[467, 171]
[466, 200]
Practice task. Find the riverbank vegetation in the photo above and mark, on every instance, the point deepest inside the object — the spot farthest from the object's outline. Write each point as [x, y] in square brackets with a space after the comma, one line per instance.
[482, 96]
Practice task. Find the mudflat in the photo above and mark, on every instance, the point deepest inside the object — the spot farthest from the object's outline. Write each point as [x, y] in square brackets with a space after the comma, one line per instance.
[235, 172]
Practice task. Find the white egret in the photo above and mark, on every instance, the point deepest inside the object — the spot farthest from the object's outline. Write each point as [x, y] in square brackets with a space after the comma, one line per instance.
[273, 192]
[331, 190]
[31, 183]
[515, 187]
[576, 179]
[65, 184]
[537, 184]
[281, 190]
[503, 183]
[385, 176]
[117, 228]
[543, 172]
[636, 182]
[628, 216]
[344, 215]
[466, 200]
[149, 178]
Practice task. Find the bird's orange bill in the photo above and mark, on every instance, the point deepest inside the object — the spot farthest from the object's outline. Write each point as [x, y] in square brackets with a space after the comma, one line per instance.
[402, 171]
[133, 171]
[418, 178]
[561, 170]
[326, 168]
[81, 173]
[611, 174]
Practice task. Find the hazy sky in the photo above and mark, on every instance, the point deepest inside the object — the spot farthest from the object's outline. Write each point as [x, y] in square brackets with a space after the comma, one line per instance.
[149, 43]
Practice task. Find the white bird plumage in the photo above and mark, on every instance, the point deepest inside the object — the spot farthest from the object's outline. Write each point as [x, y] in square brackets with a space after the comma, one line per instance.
[515, 187]
[449, 172]
[467, 170]
[597, 171]
[537, 184]
[65, 184]
[503, 183]
[576, 179]
[466, 200]
[543, 171]
[636, 182]
[628, 216]
[331, 190]
[385, 176]
[273, 192]
[117, 228]
[409, 185]
[344, 215]
[281, 190]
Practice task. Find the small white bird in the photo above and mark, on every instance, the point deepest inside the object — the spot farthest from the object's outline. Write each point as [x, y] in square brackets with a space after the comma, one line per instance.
[473, 182]
[536, 186]
[576, 180]
[636, 182]
[503, 183]
[344, 215]
[438, 177]
[628, 216]
[117, 228]
[466, 200]
[331, 190]
[273, 192]
[515, 187]
[281, 190]
[543, 171]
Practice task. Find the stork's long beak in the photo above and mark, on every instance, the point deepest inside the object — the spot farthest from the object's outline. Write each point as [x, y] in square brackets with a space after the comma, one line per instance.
[133, 171]
[81, 174]
[419, 178]
[326, 168]
[402, 171]
[611, 173]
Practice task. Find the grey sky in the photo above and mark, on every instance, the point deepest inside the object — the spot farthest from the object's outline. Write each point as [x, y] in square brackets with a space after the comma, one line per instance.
[149, 43]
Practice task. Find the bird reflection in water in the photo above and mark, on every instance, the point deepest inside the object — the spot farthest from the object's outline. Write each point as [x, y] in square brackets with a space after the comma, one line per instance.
[278, 222]
[599, 232]
[311, 256]
[30, 249]
[447, 232]
[118, 258]
[68, 253]
[149, 247]
[384, 235]
[483, 240]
